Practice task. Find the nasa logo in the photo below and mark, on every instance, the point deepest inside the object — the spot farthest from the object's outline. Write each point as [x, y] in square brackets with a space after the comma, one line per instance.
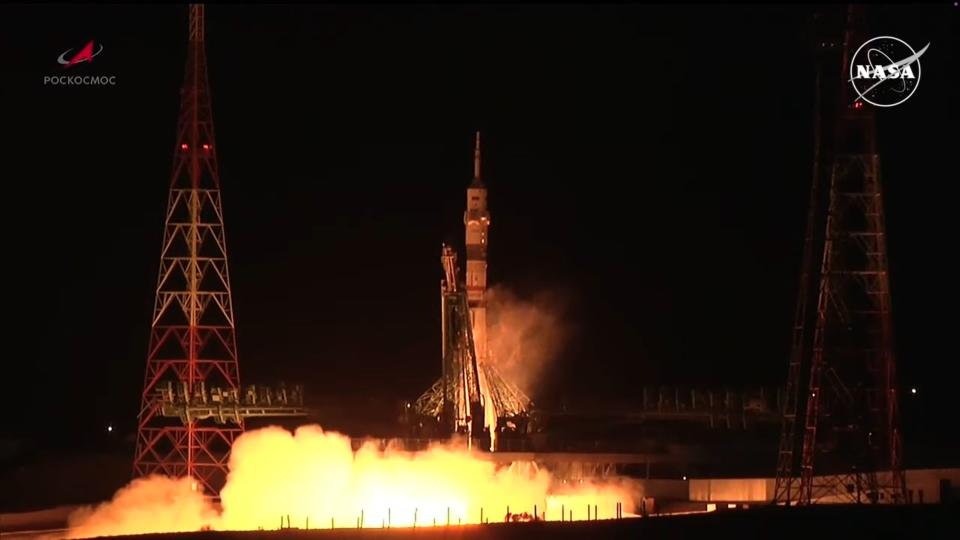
[880, 80]
[864, 72]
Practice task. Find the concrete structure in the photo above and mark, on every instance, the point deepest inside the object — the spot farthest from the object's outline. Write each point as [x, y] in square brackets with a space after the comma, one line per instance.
[925, 486]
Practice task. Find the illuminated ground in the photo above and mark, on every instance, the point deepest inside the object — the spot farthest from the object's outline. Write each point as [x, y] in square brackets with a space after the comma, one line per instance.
[850, 522]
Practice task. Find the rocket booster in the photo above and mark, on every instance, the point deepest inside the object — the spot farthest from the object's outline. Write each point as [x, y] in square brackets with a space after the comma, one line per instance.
[476, 219]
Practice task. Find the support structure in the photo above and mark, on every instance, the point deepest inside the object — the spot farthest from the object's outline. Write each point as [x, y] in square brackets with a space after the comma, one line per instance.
[851, 447]
[463, 403]
[469, 391]
[787, 483]
[192, 336]
[226, 406]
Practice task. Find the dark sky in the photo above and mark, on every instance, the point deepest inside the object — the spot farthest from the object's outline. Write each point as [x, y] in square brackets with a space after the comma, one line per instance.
[649, 163]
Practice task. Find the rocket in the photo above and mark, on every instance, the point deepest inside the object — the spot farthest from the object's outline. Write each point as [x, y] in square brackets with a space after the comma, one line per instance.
[476, 220]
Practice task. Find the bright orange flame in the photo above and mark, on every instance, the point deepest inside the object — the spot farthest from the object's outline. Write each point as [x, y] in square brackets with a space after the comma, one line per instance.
[312, 474]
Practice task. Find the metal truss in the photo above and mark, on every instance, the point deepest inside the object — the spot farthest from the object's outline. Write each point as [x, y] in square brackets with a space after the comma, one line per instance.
[787, 484]
[851, 421]
[471, 394]
[225, 406]
[851, 449]
[507, 399]
[192, 337]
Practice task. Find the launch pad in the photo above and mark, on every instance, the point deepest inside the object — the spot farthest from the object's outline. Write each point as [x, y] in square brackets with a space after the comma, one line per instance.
[835, 521]
[194, 408]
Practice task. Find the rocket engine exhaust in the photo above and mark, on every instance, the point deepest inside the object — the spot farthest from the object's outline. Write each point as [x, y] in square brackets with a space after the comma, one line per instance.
[314, 479]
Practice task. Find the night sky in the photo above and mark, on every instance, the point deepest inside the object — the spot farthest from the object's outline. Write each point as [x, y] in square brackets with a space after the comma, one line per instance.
[650, 164]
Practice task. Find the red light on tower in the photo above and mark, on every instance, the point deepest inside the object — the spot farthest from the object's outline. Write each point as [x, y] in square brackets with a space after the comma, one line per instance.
[183, 146]
[206, 147]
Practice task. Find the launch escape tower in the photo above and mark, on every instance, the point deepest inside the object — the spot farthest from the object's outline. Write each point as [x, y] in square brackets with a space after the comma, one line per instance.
[192, 408]
[471, 397]
[843, 374]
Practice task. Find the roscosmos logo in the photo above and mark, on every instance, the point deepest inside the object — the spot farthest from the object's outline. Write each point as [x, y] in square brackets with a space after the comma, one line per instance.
[85, 54]
[73, 57]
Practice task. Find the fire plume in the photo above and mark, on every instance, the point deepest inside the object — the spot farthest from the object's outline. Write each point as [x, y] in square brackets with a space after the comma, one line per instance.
[316, 479]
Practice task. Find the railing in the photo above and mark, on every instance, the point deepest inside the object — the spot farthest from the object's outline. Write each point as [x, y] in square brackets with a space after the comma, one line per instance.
[728, 408]
[415, 519]
[227, 405]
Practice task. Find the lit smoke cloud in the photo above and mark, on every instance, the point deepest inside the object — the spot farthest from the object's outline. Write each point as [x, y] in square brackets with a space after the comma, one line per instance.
[314, 475]
[152, 504]
[525, 336]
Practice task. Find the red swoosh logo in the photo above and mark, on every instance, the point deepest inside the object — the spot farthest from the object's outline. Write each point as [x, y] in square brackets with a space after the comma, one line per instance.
[85, 54]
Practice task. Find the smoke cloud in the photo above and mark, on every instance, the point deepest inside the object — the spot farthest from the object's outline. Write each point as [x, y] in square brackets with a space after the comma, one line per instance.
[315, 475]
[525, 336]
[152, 504]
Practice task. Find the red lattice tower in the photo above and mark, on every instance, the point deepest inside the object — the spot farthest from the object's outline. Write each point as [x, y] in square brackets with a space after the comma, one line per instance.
[847, 417]
[192, 337]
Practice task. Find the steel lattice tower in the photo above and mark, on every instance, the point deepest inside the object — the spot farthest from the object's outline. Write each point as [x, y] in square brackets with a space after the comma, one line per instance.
[192, 336]
[851, 447]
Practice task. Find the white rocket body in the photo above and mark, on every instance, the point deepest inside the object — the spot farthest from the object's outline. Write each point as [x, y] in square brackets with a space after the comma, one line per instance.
[476, 218]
